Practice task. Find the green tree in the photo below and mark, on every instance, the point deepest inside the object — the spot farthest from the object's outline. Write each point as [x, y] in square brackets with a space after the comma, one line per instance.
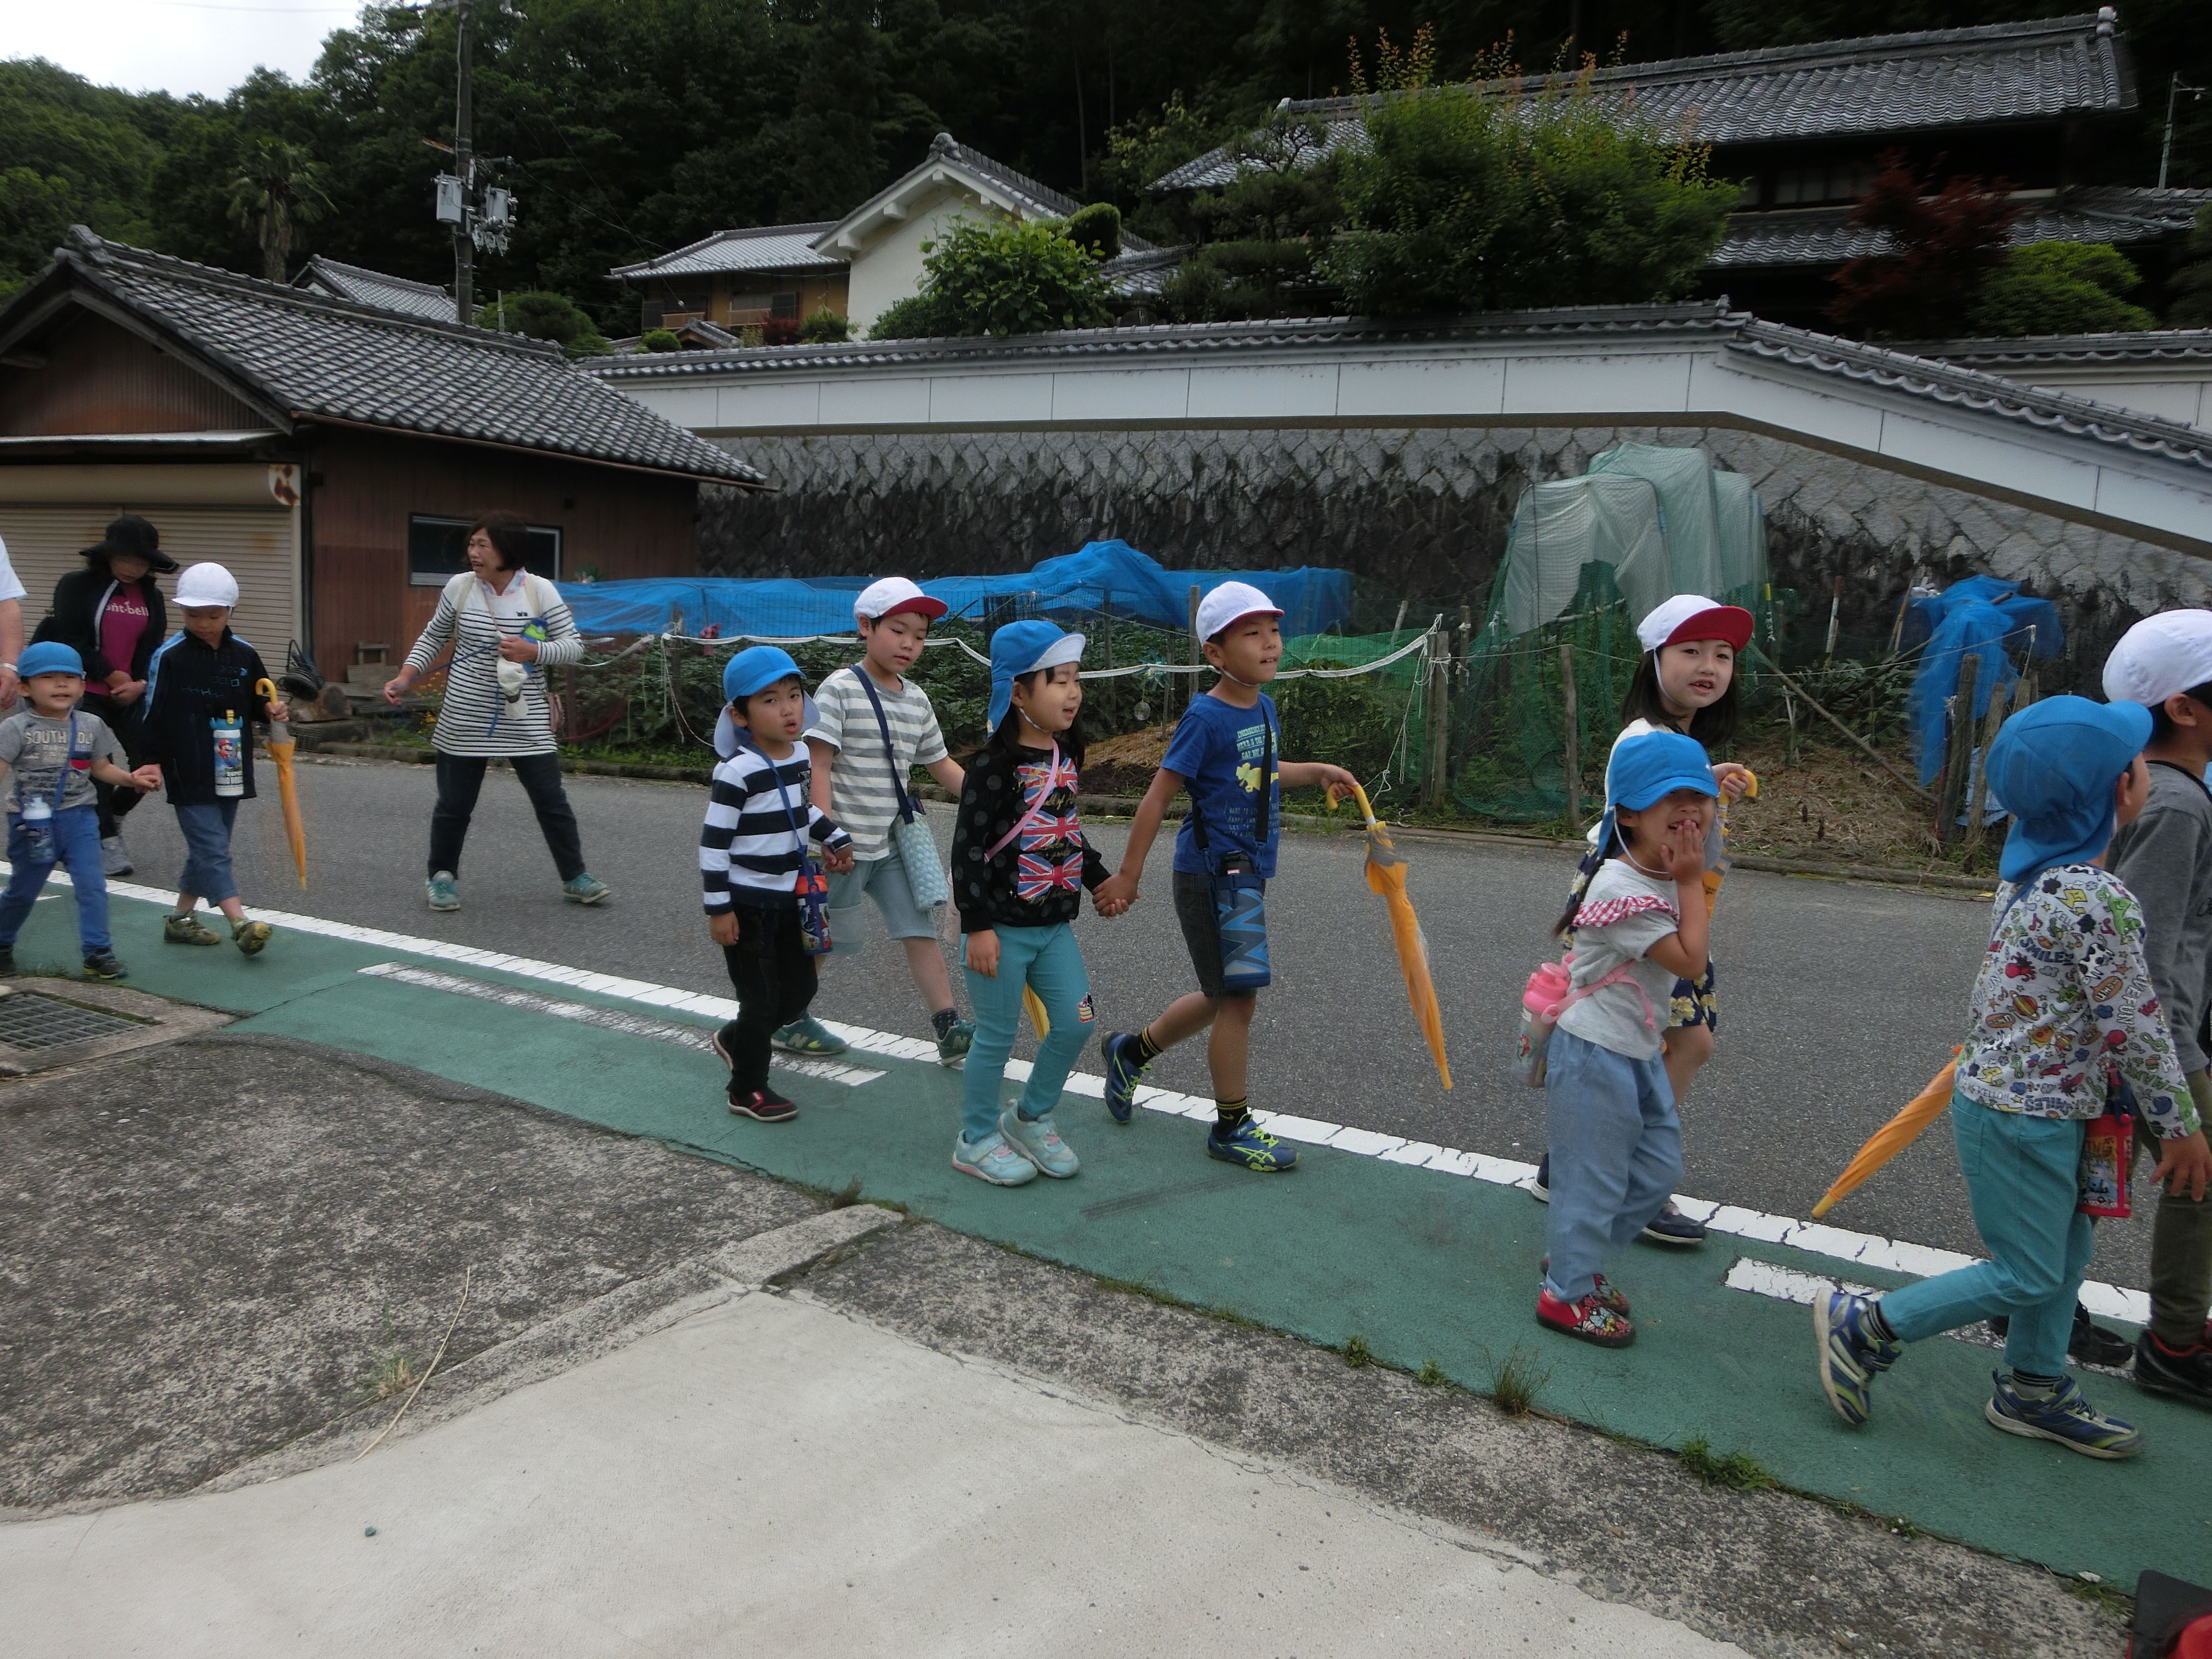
[660, 339]
[2191, 285]
[2061, 288]
[546, 316]
[35, 213]
[1263, 236]
[824, 327]
[1003, 276]
[1468, 198]
[280, 189]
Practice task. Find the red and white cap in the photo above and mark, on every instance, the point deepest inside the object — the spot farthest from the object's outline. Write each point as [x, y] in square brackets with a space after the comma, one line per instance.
[1232, 602]
[1694, 617]
[894, 594]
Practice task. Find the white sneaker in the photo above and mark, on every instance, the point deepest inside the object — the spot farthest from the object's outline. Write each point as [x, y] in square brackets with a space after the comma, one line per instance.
[114, 857]
[1039, 1142]
[993, 1160]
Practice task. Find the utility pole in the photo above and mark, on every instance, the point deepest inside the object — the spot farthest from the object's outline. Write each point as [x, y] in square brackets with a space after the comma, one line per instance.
[465, 252]
[2174, 90]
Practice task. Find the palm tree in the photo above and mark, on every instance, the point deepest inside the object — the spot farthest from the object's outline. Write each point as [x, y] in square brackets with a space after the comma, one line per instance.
[280, 189]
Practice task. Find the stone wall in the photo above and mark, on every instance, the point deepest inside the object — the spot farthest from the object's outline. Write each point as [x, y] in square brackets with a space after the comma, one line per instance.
[1422, 511]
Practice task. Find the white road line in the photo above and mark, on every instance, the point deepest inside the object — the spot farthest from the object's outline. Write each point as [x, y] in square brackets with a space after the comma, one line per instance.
[611, 1019]
[1788, 1284]
[1868, 1249]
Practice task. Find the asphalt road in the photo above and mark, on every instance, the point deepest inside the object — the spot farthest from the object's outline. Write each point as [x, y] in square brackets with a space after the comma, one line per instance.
[1839, 999]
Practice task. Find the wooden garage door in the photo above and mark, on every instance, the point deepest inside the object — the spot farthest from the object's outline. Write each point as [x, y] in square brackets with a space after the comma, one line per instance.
[257, 544]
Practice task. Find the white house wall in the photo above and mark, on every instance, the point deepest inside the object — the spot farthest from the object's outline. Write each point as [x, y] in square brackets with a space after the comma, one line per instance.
[890, 268]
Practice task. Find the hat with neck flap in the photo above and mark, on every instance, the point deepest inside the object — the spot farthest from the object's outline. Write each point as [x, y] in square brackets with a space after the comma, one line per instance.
[2054, 766]
[1023, 647]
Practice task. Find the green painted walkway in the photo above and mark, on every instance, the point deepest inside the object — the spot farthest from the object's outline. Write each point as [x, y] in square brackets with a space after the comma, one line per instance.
[1422, 1265]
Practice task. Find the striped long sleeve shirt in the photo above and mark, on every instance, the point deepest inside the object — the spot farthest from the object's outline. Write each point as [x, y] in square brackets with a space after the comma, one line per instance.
[749, 851]
[473, 617]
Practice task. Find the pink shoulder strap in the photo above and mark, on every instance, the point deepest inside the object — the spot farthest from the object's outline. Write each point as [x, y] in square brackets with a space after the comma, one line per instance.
[1052, 781]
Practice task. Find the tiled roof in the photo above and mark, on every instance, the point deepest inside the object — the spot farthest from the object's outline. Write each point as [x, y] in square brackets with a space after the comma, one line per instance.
[1033, 200]
[1890, 84]
[763, 247]
[1714, 320]
[1140, 273]
[2147, 348]
[1823, 236]
[303, 356]
[373, 288]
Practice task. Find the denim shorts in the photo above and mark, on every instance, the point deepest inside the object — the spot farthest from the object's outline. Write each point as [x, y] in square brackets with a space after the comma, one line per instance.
[885, 881]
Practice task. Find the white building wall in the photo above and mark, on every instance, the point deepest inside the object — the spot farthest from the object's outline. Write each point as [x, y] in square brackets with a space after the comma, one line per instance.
[889, 268]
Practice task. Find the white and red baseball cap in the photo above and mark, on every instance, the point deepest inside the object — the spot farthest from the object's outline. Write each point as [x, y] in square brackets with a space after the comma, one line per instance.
[1694, 617]
[894, 594]
[1232, 602]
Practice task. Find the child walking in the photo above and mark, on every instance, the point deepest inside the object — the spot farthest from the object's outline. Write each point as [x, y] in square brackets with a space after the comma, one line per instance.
[752, 854]
[1019, 866]
[1227, 751]
[1616, 1144]
[2165, 857]
[872, 727]
[2063, 996]
[1686, 682]
[56, 752]
[199, 695]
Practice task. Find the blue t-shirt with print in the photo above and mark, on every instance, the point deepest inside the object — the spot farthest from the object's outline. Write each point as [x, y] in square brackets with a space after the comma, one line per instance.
[1218, 749]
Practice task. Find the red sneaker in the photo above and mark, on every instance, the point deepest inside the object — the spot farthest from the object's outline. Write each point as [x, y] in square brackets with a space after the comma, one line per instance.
[1590, 1319]
[765, 1104]
[1604, 1292]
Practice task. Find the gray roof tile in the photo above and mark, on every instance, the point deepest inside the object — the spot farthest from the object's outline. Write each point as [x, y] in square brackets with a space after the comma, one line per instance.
[763, 247]
[1824, 236]
[315, 358]
[1892, 83]
[374, 287]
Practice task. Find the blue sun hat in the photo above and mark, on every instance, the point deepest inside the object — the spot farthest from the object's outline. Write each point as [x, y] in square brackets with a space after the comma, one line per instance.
[1648, 767]
[49, 656]
[756, 668]
[2055, 765]
[1023, 647]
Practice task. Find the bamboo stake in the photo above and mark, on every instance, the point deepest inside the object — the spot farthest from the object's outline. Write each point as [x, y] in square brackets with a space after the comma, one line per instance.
[1958, 739]
[1977, 781]
[1573, 739]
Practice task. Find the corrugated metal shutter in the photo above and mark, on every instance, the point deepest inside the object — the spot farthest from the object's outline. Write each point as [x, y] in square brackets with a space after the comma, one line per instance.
[257, 544]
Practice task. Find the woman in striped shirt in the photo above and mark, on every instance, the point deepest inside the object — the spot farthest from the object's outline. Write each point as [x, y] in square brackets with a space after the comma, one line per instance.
[506, 628]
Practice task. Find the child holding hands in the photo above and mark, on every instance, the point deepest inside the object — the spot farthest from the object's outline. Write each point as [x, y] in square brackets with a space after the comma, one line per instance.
[2063, 996]
[1616, 1145]
[1019, 866]
[56, 753]
[752, 851]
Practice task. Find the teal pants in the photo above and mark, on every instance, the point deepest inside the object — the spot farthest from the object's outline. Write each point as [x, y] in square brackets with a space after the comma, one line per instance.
[1046, 960]
[2021, 1176]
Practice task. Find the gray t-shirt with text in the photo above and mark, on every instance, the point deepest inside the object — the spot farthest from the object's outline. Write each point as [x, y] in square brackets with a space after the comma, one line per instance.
[32, 747]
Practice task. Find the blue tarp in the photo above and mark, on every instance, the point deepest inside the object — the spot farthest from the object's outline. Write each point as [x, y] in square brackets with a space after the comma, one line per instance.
[1990, 617]
[1103, 576]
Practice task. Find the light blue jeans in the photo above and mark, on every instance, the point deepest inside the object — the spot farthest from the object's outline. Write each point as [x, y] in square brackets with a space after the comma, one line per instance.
[2021, 1175]
[76, 839]
[1616, 1155]
[206, 875]
[1047, 960]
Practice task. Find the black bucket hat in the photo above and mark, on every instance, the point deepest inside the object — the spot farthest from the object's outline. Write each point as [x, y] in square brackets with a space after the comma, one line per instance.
[133, 537]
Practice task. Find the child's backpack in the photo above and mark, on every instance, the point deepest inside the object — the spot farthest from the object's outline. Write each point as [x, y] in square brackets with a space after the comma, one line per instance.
[1551, 992]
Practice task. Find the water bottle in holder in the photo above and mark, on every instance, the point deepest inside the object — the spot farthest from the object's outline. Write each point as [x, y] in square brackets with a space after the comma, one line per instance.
[38, 844]
[229, 754]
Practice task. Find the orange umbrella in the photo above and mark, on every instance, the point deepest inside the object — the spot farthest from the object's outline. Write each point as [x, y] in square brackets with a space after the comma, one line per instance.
[1386, 875]
[287, 787]
[1894, 1136]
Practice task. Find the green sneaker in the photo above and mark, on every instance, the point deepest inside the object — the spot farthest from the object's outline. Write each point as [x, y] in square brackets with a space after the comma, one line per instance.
[250, 936]
[587, 889]
[441, 892]
[959, 1037]
[808, 1036]
[187, 930]
[1249, 1145]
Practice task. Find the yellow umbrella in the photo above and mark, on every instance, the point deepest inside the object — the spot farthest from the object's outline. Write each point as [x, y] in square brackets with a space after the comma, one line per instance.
[1894, 1136]
[287, 787]
[1386, 875]
[1038, 1019]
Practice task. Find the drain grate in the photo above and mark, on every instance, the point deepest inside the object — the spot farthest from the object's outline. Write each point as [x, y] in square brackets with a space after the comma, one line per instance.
[34, 1021]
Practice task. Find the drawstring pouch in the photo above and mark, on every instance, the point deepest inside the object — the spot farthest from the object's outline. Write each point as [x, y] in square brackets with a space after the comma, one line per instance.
[911, 838]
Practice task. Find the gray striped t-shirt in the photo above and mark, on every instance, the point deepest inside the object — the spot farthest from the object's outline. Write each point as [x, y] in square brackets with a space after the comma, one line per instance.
[861, 798]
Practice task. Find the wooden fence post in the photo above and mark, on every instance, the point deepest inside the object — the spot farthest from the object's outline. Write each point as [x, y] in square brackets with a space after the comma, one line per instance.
[1978, 788]
[1958, 738]
[1571, 738]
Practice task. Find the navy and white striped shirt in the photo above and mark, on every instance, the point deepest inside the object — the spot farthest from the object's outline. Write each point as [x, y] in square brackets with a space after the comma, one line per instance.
[747, 850]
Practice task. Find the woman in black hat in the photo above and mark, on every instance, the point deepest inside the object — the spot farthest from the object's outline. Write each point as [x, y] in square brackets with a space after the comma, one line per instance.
[112, 612]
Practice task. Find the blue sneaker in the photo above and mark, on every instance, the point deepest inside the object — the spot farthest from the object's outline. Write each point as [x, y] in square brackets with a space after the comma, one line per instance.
[1849, 1358]
[587, 889]
[1037, 1140]
[2062, 1415]
[993, 1160]
[1249, 1145]
[1123, 1072]
[439, 889]
[809, 1037]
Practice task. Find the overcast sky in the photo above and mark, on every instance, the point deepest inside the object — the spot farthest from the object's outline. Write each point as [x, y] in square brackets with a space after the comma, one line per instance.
[181, 46]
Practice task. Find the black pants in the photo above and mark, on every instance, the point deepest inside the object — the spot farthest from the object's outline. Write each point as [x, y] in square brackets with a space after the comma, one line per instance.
[460, 778]
[774, 980]
[115, 801]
